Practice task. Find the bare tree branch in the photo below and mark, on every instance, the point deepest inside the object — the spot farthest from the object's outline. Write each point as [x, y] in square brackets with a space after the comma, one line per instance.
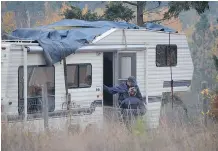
[131, 3]
[149, 11]
[152, 8]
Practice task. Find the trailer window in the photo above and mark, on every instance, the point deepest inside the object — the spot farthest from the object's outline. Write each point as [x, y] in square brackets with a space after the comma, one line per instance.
[126, 64]
[37, 76]
[166, 55]
[72, 76]
[79, 75]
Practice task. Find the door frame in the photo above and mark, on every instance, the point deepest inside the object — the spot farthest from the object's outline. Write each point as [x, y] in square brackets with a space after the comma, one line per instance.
[116, 71]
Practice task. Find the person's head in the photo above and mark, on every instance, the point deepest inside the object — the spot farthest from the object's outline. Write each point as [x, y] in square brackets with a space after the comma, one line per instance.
[131, 81]
[132, 91]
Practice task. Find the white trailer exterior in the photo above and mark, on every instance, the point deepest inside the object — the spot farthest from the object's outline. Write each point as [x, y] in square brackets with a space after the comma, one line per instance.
[146, 62]
[124, 45]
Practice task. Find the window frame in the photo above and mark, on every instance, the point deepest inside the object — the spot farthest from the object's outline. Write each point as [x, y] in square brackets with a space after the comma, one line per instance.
[21, 66]
[166, 55]
[78, 75]
[133, 57]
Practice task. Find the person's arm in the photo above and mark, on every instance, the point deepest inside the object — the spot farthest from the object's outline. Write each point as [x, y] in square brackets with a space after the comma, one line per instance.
[116, 89]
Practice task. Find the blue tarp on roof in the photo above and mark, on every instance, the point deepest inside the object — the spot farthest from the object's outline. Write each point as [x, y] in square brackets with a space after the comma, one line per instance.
[95, 24]
[57, 42]
[158, 27]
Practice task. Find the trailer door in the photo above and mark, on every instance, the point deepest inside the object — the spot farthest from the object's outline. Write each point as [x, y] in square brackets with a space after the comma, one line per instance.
[125, 66]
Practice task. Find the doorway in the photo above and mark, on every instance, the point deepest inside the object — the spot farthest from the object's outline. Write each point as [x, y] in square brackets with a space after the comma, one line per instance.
[108, 77]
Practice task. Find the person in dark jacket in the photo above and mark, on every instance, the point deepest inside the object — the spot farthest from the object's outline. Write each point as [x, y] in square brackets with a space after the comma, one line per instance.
[132, 107]
[123, 89]
[133, 103]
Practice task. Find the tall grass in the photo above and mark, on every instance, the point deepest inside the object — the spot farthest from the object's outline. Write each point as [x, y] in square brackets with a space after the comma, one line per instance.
[113, 137]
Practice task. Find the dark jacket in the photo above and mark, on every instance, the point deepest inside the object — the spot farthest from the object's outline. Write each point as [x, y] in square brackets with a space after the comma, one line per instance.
[133, 105]
[122, 90]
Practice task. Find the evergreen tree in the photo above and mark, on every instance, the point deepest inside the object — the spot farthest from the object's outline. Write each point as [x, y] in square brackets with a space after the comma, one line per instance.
[116, 11]
[175, 8]
[77, 13]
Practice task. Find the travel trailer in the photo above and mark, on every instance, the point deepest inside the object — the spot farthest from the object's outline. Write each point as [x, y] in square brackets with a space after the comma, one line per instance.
[108, 59]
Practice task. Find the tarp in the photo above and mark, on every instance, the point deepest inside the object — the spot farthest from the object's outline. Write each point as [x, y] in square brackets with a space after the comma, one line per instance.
[158, 27]
[95, 24]
[57, 42]
[66, 36]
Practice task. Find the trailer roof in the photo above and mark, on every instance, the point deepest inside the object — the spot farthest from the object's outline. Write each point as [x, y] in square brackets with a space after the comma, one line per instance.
[69, 35]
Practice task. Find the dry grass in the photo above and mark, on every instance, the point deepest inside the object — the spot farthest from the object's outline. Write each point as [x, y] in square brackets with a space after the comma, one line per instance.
[114, 137]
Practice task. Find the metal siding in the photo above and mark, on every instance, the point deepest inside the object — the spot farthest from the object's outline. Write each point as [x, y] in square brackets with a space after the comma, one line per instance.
[82, 96]
[156, 75]
[143, 37]
[16, 60]
[140, 71]
[5, 57]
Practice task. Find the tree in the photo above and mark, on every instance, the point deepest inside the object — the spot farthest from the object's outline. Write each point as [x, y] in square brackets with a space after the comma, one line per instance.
[77, 13]
[50, 15]
[27, 14]
[201, 48]
[140, 7]
[8, 22]
[175, 8]
[116, 11]
[215, 48]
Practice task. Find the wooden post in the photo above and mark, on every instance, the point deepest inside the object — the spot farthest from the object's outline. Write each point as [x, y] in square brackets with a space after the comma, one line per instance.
[45, 105]
[65, 79]
[25, 74]
[146, 76]
[204, 85]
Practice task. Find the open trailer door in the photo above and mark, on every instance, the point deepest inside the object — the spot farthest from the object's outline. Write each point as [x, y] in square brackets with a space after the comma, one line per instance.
[126, 65]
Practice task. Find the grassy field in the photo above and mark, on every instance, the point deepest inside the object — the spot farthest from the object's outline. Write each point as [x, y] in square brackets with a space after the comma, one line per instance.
[114, 137]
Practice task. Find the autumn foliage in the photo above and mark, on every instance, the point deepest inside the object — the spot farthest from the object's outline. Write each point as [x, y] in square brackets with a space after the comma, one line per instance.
[8, 22]
[52, 16]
